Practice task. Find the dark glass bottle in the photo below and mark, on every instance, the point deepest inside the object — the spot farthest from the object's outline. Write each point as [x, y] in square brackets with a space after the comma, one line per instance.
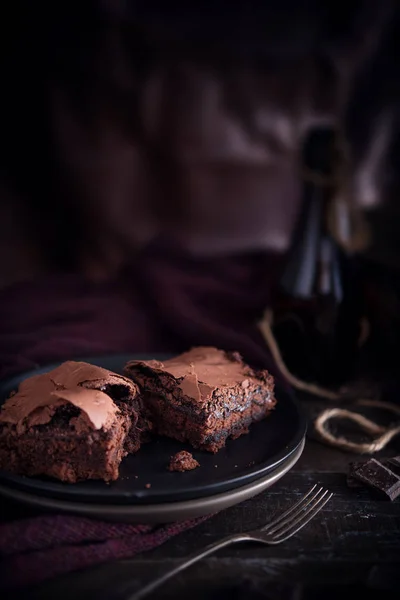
[318, 308]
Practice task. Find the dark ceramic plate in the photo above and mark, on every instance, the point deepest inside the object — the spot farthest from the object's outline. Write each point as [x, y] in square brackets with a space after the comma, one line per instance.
[242, 461]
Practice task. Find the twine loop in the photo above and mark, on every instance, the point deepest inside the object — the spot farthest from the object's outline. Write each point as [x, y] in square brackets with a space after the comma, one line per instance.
[381, 435]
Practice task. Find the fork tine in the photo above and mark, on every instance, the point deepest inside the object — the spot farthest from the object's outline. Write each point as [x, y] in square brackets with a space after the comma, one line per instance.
[303, 519]
[307, 501]
[289, 523]
[283, 516]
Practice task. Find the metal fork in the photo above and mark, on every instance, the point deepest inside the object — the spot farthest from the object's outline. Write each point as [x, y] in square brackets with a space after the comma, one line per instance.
[279, 530]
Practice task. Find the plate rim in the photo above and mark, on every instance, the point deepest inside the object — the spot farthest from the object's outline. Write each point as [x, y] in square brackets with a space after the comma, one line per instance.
[164, 512]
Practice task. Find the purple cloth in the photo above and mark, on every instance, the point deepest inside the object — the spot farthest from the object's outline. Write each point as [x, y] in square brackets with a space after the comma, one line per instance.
[34, 550]
[162, 303]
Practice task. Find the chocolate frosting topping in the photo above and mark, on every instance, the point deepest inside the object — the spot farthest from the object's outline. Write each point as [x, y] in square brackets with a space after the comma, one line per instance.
[203, 369]
[39, 396]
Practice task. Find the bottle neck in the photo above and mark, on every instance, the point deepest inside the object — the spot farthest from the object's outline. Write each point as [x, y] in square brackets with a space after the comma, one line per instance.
[312, 267]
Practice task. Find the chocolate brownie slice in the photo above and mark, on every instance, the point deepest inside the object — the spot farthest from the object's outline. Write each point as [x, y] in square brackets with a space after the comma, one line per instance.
[66, 424]
[203, 396]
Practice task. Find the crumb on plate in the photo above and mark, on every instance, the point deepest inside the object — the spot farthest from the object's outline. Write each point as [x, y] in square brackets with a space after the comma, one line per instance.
[183, 461]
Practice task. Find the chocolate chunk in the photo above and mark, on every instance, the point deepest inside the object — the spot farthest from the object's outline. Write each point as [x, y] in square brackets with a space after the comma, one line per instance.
[351, 480]
[378, 476]
[394, 462]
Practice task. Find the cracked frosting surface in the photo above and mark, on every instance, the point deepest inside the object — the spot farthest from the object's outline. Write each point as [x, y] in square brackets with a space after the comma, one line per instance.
[38, 397]
[202, 370]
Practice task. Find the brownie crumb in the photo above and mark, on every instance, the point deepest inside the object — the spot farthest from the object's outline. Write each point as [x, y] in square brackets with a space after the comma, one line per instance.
[183, 461]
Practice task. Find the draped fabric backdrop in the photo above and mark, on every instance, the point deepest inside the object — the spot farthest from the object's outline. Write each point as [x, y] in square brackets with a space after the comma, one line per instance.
[149, 163]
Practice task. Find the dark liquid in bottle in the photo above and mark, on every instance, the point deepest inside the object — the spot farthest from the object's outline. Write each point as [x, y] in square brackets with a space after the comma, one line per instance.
[318, 306]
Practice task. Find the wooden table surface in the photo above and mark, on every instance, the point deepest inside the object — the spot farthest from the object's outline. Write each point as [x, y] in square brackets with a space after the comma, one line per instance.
[353, 545]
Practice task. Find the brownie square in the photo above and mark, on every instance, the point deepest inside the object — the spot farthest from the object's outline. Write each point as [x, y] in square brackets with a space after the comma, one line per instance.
[203, 396]
[76, 422]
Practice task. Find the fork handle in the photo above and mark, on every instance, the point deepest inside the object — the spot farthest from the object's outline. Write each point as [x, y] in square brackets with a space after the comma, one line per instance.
[193, 558]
